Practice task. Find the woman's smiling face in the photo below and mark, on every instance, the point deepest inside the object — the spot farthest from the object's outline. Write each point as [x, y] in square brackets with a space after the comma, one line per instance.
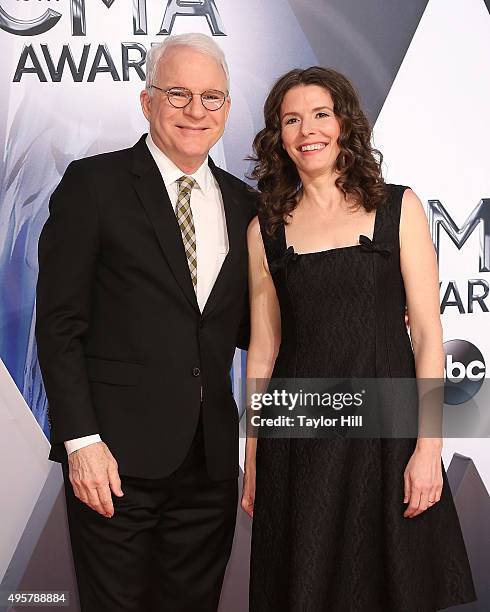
[310, 129]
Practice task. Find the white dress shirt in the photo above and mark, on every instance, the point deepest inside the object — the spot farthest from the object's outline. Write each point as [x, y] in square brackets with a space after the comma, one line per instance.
[210, 229]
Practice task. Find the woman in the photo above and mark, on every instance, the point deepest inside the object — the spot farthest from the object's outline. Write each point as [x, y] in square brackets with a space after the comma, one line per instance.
[335, 255]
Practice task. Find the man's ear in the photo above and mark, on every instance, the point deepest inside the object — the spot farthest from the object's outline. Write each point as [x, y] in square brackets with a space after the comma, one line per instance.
[145, 100]
[227, 107]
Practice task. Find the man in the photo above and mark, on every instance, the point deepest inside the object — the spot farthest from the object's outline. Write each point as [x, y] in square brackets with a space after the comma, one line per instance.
[142, 298]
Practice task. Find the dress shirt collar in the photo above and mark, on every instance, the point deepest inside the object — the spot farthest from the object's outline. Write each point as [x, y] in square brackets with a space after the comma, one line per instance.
[171, 173]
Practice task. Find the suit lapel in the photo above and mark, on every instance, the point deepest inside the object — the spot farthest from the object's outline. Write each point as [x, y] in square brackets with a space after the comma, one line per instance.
[233, 229]
[153, 195]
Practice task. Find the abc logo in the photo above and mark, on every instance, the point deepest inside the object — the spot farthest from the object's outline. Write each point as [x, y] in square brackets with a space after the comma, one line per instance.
[464, 371]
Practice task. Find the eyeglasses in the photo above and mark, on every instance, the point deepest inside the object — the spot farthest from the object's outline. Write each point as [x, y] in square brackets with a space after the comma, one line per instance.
[180, 97]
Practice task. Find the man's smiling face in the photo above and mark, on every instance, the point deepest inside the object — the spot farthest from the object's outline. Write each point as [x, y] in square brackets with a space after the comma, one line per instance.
[187, 134]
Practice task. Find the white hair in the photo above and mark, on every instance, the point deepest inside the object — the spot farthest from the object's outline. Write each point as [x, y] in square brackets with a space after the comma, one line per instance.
[199, 42]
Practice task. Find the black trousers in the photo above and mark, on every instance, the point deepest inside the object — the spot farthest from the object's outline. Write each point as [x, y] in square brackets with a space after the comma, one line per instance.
[166, 547]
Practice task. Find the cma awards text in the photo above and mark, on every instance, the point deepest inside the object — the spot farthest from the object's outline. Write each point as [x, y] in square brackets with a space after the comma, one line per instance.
[47, 64]
[42, 64]
[472, 298]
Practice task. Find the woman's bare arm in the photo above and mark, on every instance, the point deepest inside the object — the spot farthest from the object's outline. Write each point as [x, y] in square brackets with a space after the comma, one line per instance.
[423, 475]
[265, 338]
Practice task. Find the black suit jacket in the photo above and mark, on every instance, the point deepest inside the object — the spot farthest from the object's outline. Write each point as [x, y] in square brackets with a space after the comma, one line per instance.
[122, 345]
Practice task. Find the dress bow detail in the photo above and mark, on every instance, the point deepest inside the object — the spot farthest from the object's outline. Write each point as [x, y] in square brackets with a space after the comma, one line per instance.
[282, 262]
[368, 245]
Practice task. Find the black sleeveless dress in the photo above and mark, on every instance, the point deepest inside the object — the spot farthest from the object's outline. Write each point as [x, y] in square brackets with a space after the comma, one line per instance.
[328, 530]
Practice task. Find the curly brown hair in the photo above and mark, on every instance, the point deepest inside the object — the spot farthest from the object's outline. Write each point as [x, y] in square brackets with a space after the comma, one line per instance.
[358, 163]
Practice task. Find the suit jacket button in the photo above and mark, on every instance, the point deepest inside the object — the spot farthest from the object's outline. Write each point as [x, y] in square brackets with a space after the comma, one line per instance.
[196, 371]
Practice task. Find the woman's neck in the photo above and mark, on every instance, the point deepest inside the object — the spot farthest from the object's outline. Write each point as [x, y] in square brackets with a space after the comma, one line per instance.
[322, 192]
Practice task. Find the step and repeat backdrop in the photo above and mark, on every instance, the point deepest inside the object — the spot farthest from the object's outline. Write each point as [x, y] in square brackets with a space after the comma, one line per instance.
[70, 78]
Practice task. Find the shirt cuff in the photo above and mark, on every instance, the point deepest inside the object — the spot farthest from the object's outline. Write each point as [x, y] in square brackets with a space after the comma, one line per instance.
[78, 443]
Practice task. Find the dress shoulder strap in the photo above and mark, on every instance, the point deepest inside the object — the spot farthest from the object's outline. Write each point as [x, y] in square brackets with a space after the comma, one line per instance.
[274, 245]
[388, 215]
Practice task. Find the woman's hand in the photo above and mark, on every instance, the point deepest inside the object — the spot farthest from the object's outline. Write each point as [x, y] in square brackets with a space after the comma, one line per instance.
[423, 478]
[248, 492]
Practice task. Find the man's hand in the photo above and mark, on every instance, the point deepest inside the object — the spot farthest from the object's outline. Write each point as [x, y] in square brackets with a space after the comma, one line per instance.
[93, 475]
